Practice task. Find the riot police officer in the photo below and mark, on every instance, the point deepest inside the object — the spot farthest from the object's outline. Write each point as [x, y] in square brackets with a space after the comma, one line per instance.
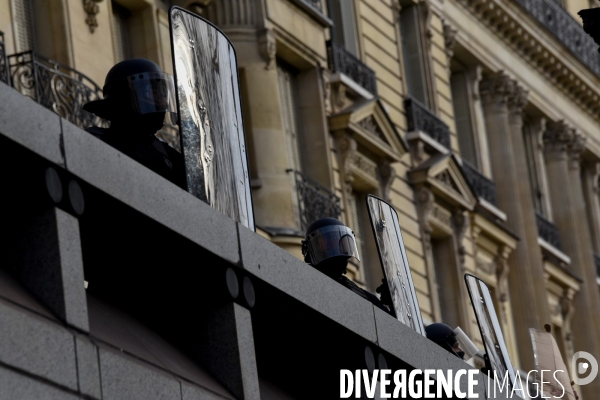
[138, 96]
[328, 246]
[445, 337]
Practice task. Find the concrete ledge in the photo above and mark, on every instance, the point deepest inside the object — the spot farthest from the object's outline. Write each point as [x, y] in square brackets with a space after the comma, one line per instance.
[32, 344]
[279, 268]
[107, 169]
[17, 386]
[123, 378]
[30, 124]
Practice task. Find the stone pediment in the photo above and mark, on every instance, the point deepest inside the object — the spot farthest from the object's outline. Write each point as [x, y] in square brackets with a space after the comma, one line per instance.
[370, 125]
[443, 175]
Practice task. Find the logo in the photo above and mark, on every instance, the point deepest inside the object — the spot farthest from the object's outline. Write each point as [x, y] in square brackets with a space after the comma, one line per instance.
[582, 367]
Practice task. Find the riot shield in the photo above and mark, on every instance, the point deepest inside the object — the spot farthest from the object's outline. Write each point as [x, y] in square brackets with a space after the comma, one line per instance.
[388, 237]
[489, 327]
[210, 116]
[557, 384]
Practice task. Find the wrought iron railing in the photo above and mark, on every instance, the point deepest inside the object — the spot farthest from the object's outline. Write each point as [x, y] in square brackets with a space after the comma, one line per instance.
[341, 61]
[421, 119]
[55, 86]
[548, 231]
[483, 187]
[314, 201]
[566, 29]
[597, 262]
[4, 73]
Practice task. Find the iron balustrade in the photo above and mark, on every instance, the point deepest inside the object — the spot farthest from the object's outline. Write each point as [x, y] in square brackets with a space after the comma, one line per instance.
[421, 119]
[341, 61]
[548, 231]
[483, 186]
[4, 72]
[314, 200]
[55, 86]
[597, 262]
[565, 28]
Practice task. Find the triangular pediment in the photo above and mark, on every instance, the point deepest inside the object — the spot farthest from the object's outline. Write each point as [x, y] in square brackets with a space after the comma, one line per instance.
[445, 177]
[372, 127]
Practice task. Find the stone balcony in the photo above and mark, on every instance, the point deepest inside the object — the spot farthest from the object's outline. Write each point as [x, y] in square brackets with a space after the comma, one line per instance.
[182, 302]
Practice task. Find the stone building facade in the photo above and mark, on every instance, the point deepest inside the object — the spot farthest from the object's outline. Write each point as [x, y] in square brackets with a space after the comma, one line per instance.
[477, 119]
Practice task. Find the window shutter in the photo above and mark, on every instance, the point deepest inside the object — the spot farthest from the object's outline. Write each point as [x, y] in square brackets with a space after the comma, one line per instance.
[23, 15]
[413, 55]
[462, 117]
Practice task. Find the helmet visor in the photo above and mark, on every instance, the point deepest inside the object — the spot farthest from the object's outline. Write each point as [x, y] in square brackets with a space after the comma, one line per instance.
[331, 241]
[152, 92]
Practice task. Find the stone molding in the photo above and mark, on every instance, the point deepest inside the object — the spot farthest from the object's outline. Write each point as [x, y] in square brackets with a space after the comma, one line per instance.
[538, 50]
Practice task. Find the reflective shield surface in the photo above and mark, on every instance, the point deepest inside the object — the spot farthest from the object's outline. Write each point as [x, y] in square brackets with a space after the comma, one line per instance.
[210, 116]
[489, 326]
[388, 237]
[557, 384]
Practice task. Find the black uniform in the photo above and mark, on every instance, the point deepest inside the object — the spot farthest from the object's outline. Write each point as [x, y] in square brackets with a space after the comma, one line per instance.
[361, 292]
[148, 150]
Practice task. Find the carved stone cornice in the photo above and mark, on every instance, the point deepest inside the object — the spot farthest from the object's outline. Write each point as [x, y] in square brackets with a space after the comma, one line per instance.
[552, 62]
[557, 138]
[496, 88]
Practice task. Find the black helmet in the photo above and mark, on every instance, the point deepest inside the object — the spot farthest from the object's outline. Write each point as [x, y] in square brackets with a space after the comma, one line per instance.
[327, 238]
[134, 86]
[445, 337]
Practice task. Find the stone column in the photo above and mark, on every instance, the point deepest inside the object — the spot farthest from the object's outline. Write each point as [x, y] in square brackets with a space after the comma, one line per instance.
[563, 147]
[503, 100]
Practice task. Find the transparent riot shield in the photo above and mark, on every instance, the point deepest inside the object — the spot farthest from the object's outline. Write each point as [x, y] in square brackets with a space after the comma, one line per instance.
[210, 116]
[557, 384]
[489, 326]
[388, 236]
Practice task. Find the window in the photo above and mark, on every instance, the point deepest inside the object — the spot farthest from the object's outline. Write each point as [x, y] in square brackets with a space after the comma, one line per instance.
[24, 27]
[533, 131]
[120, 32]
[344, 31]
[289, 107]
[462, 117]
[412, 50]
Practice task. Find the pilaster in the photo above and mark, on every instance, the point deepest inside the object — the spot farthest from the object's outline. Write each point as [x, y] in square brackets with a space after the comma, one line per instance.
[565, 146]
[503, 100]
[590, 176]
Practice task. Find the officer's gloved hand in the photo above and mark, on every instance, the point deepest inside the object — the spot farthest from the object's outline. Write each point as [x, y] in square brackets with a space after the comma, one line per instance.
[384, 291]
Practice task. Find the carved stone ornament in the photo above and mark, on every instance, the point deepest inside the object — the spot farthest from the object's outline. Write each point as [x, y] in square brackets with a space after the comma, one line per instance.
[370, 125]
[91, 9]
[496, 88]
[460, 223]
[386, 173]
[346, 147]
[517, 98]
[425, 200]
[575, 149]
[502, 270]
[557, 138]
[449, 38]
[326, 79]
[267, 47]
